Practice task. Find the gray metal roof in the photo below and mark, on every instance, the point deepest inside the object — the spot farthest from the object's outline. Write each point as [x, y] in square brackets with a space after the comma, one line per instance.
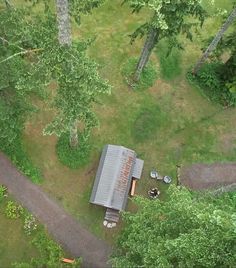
[113, 178]
[138, 168]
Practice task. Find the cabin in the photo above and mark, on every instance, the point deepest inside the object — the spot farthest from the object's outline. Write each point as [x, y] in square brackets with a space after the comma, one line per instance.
[118, 168]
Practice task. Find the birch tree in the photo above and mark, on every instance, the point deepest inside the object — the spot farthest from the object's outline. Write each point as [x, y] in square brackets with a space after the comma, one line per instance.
[167, 20]
[65, 61]
[79, 83]
[215, 41]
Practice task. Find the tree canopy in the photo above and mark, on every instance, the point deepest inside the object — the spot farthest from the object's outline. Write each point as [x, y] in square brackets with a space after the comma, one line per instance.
[185, 230]
[77, 77]
[167, 19]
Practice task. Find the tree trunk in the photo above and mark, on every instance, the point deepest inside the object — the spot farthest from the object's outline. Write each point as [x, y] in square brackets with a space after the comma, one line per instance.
[215, 41]
[64, 38]
[146, 52]
[63, 20]
[8, 3]
[74, 135]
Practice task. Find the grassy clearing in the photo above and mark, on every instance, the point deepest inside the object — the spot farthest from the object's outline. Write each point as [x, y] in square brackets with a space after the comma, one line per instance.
[185, 132]
[149, 120]
[190, 128]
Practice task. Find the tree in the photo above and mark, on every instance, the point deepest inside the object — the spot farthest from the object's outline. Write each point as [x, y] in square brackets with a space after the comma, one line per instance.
[66, 62]
[185, 230]
[168, 19]
[78, 80]
[215, 41]
[14, 105]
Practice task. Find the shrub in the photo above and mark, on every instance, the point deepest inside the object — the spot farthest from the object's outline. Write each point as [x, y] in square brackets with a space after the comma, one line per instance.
[147, 78]
[12, 117]
[29, 224]
[210, 83]
[13, 211]
[3, 192]
[73, 157]
[50, 254]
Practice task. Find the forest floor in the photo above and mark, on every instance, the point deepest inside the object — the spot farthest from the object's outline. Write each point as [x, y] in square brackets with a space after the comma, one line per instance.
[188, 128]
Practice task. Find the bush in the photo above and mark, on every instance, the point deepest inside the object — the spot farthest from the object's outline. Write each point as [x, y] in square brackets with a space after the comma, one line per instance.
[50, 254]
[73, 157]
[3, 192]
[12, 116]
[208, 80]
[147, 78]
[13, 211]
[29, 224]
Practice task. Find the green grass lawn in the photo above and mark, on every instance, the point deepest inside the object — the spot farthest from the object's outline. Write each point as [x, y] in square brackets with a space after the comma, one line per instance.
[168, 124]
[15, 245]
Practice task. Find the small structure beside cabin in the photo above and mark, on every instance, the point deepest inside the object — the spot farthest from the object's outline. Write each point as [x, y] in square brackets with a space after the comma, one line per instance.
[117, 168]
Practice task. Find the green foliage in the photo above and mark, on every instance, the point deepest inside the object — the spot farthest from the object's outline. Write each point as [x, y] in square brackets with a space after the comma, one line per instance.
[29, 224]
[170, 61]
[14, 102]
[50, 254]
[79, 86]
[210, 82]
[3, 192]
[218, 78]
[13, 211]
[185, 230]
[167, 17]
[147, 78]
[82, 7]
[79, 83]
[73, 157]
[147, 122]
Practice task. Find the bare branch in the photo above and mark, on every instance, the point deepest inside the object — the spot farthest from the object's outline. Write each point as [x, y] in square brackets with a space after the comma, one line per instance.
[8, 3]
[5, 40]
[21, 53]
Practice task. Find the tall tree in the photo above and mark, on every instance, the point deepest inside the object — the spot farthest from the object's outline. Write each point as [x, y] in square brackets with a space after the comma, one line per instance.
[64, 37]
[65, 61]
[215, 41]
[168, 19]
[78, 81]
[185, 230]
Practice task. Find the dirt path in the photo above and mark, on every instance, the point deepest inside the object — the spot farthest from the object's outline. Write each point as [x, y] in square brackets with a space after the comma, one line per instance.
[63, 227]
[208, 176]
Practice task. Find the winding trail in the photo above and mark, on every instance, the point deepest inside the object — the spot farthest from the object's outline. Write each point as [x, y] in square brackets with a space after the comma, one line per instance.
[67, 231]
